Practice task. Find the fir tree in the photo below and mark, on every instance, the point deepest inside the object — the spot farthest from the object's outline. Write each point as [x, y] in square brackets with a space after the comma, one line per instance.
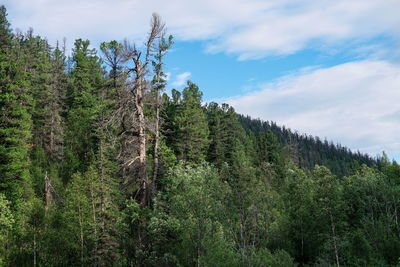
[191, 137]
[85, 85]
[15, 118]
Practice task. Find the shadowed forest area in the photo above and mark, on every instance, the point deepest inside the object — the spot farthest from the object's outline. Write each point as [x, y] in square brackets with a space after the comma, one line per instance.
[100, 167]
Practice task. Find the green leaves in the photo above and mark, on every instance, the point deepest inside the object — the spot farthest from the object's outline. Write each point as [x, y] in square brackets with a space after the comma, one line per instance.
[195, 203]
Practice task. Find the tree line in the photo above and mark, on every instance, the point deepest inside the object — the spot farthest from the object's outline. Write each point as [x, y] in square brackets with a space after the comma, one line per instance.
[307, 150]
[100, 167]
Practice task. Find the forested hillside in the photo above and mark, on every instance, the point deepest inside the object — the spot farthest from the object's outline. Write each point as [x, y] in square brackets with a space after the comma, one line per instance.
[100, 167]
[307, 151]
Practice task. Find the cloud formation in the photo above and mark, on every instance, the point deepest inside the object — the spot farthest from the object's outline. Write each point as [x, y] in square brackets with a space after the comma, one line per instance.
[181, 79]
[355, 103]
[248, 28]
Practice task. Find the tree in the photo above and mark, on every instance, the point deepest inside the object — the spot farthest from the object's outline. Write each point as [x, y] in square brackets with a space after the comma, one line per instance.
[193, 208]
[15, 118]
[92, 212]
[300, 225]
[159, 82]
[330, 205]
[140, 68]
[114, 56]
[191, 129]
[225, 130]
[84, 106]
[6, 224]
[5, 31]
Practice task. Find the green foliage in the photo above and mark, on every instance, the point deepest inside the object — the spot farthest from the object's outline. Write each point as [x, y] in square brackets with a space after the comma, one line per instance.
[264, 257]
[190, 129]
[15, 117]
[5, 31]
[193, 207]
[225, 131]
[6, 224]
[231, 191]
[84, 108]
[113, 53]
[91, 208]
[308, 151]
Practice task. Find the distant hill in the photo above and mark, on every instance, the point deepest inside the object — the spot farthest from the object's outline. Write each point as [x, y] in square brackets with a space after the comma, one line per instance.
[307, 150]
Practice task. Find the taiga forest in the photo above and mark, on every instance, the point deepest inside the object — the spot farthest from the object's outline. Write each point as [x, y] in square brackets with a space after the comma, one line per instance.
[100, 166]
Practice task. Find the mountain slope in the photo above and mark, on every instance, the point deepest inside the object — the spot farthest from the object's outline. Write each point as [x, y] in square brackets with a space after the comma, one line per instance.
[308, 151]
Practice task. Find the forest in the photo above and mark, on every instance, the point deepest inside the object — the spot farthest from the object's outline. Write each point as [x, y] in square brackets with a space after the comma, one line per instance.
[99, 166]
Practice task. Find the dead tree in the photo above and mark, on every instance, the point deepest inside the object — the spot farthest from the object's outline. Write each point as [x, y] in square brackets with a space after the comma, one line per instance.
[158, 85]
[140, 59]
[47, 192]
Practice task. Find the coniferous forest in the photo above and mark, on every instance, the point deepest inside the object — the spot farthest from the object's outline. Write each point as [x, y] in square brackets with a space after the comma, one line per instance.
[100, 167]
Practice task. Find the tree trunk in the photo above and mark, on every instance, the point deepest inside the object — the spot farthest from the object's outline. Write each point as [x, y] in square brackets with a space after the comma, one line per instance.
[52, 136]
[140, 68]
[334, 240]
[47, 193]
[142, 174]
[34, 249]
[94, 218]
[81, 232]
[157, 137]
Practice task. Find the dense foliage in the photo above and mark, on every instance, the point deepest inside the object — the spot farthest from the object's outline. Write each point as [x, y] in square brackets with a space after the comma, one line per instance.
[307, 151]
[213, 188]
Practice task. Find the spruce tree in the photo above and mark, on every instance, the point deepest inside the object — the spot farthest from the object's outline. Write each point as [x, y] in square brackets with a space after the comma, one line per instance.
[83, 105]
[191, 140]
[15, 117]
[225, 131]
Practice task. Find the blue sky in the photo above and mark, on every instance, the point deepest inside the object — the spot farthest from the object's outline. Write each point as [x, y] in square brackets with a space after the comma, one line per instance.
[322, 67]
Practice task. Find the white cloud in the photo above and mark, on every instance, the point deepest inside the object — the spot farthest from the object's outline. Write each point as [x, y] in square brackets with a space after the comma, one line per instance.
[356, 104]
[248, 28]
[181, 79]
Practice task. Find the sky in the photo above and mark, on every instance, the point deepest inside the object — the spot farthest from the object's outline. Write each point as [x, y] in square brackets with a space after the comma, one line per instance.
[321, 67]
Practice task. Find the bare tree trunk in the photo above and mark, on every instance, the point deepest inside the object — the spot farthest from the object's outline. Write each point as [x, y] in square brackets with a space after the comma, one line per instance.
[334, 240]
[139, 92]
[156, 148]
[34, 249]
[302, 241]
[81, 234]
[47, 193]
[52, 136]
[157, 137]
[102, 175]
[100, 258]
[138, 121]
[94, 218]
[242, 238]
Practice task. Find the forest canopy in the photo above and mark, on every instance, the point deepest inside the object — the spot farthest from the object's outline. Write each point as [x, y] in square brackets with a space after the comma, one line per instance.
[99, 166]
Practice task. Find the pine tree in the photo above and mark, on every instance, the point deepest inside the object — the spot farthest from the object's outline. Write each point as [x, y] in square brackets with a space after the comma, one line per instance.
[15, 117]
[269, 151]
[225, 131]
[113, 56]
[83, 106]
[191, 140]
